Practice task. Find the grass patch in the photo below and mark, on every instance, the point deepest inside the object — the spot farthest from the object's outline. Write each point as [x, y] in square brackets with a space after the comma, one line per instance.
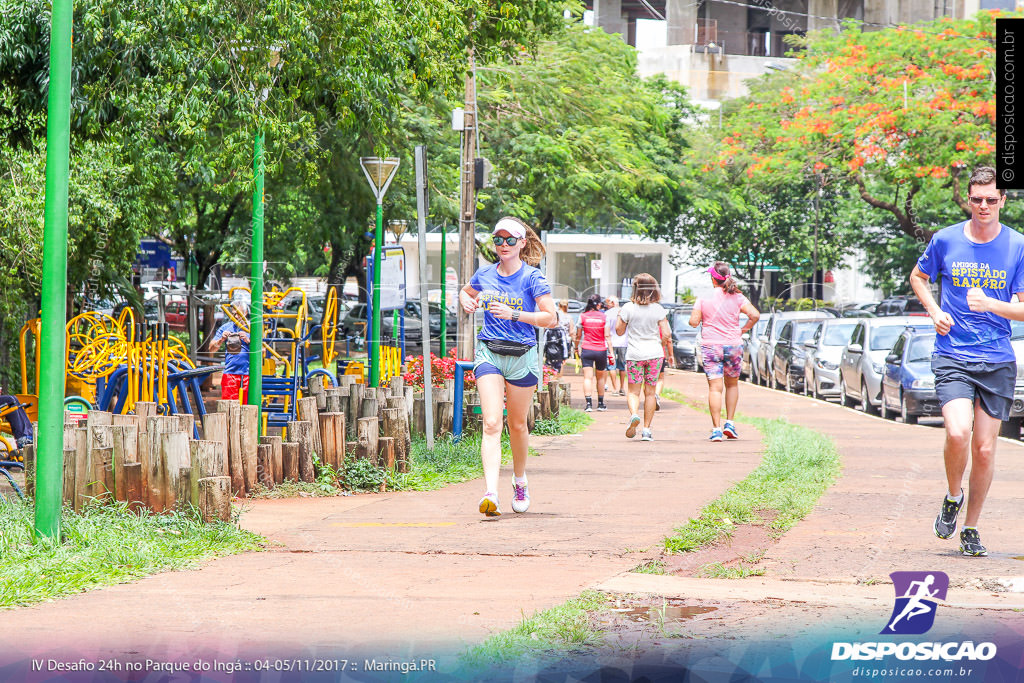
[452, 461]
[717, 570]
[104, 545]
[798, 467]
[649, 567]
[554, 632]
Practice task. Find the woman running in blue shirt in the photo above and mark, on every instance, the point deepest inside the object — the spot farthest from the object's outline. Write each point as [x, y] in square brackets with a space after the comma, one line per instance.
[516, 299]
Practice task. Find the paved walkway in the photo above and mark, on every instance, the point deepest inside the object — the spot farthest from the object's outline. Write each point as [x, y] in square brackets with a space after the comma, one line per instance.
[405, 574]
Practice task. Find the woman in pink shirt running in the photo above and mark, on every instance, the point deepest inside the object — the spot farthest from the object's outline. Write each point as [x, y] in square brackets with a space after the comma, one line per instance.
[721, 345]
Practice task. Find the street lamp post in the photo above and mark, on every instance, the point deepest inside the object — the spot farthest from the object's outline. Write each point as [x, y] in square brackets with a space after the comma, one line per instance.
[379, 173]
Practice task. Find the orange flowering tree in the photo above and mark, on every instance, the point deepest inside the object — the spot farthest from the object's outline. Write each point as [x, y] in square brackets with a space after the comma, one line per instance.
[892, 116]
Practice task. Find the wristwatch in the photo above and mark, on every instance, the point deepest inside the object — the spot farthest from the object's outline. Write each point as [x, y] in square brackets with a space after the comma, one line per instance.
[515, 316]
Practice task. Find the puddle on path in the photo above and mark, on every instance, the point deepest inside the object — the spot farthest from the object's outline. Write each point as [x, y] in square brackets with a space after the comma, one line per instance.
[667, 613]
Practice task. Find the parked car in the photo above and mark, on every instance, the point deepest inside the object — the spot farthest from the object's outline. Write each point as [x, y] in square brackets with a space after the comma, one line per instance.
[908, 384]
[751, 342]
[414, 323]
[354, 322]
[790, 354]
[863, 359]
[857, 313]
[1012, 426]
[767, 339]
[900, 305]
[684, 340]
[824, 350]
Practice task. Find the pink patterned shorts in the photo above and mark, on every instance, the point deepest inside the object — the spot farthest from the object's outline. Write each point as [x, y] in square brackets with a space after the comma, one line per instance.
[644, 371]
[721, 359]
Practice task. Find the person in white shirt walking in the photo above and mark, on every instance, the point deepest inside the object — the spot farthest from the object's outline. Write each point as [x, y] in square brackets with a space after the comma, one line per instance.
[649, 343]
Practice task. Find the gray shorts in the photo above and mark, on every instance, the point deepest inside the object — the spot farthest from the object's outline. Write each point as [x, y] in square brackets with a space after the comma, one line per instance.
[990, 384]
[620, 358]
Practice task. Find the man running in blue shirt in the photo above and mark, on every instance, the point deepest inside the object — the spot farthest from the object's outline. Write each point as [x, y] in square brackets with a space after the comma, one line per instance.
[974, 364]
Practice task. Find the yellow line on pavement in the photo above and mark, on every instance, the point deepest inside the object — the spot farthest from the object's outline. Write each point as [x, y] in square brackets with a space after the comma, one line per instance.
[390, 524]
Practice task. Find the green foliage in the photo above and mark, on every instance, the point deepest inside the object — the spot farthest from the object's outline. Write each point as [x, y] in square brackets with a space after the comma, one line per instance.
[895, 118]
[104, 545]
[363, 475]
[549, 633]
[650, 567]
[568, 421]
[798, 466]
[577, 137]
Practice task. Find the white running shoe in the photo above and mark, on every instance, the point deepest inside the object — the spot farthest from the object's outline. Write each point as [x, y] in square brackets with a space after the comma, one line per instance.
[631, 429]
[520, 497]
[646, 435]
[489, 505]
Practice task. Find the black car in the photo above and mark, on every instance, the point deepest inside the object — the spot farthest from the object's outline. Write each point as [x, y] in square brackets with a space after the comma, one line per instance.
[684, 339]
[900, 305]
[413, 323]
[790, 354]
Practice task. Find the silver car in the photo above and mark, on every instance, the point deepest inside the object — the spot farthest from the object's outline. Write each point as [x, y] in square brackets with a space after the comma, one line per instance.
[863, 360]
[768, 338]
[751, 341]
[821, 371]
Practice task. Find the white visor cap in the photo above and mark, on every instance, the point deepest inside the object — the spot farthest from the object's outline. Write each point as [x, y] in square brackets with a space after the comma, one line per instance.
[511, 226]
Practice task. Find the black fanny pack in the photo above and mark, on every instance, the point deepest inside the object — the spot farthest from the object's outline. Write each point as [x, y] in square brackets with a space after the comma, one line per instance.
[503, 347]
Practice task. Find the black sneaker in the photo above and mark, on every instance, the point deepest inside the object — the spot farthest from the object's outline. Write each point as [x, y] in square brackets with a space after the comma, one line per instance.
[970, 543]
[601, 405]
[589, 407]
[945, 523]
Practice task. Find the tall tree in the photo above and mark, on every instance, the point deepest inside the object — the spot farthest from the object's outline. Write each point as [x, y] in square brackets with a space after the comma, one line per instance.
[890, 113]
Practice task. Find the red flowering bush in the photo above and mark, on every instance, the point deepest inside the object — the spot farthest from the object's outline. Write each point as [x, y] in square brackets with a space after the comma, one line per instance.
[441, 368]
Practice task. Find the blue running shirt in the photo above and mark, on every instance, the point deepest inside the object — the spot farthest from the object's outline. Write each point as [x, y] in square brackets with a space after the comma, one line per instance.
[997, 267]
[518, 291]
[234, 363]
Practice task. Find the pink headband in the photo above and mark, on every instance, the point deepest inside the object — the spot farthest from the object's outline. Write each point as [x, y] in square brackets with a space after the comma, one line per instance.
[715, 274]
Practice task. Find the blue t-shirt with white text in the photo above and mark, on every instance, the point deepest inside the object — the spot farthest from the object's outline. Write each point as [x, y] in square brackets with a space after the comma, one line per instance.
[997, 267]
[519, 291]
[234, 363]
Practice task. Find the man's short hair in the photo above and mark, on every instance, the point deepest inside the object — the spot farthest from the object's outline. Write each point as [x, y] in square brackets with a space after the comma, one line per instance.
[983, 175]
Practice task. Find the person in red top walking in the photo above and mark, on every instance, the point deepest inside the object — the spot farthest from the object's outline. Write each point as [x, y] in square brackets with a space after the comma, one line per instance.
[721, 345]
[594, 345]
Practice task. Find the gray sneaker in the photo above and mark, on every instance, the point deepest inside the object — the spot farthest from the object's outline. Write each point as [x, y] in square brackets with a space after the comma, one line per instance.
[945, 523]
[645, 435]
[970, 543]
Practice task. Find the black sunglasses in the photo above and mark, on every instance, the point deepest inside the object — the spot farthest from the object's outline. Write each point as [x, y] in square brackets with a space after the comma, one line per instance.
[990, 201]
[510, 241]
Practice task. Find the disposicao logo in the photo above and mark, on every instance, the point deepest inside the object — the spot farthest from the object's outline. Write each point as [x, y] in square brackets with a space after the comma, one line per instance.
[917, 594]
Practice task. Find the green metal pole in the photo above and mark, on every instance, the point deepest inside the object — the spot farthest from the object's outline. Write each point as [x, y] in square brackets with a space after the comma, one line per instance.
[256, 302]
[375, 342]
[444, 288]
[50, 448]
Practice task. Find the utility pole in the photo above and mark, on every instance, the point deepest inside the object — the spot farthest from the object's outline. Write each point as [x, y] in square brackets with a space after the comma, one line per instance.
[467, 211]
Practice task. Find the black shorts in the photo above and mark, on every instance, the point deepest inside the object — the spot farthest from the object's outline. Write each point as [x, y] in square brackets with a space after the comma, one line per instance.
[990, 384]
[594, 359]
